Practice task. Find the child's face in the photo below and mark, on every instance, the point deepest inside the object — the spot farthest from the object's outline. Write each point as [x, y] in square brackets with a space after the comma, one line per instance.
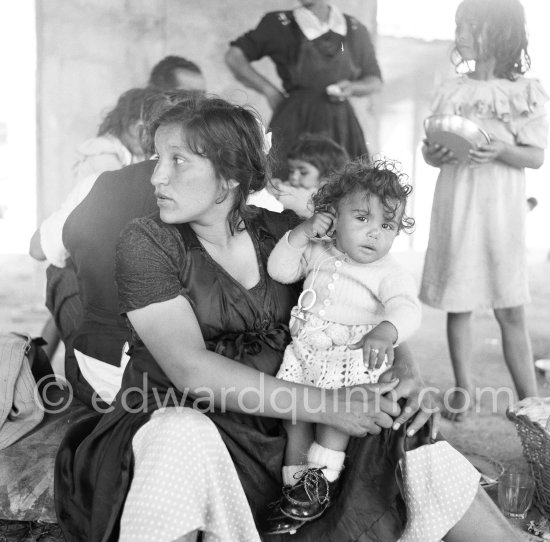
[466, 37]
[303, 174]
[365, 231]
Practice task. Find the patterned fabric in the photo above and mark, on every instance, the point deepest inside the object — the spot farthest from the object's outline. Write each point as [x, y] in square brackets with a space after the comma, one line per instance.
[319, 355]
[440, 485]
[177, 449]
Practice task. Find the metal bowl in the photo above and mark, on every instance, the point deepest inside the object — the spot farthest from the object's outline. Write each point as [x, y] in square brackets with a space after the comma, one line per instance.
[456, 133]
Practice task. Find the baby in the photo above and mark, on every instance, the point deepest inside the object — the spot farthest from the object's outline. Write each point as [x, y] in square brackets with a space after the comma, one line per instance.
[354, 292]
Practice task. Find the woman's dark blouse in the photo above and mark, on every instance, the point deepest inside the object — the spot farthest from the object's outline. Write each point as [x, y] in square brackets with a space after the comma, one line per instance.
[278, 37]
[157, 262]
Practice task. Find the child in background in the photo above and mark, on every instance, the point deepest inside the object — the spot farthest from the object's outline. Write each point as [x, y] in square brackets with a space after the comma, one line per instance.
[354, 292]
[310, 162]
[476, 256]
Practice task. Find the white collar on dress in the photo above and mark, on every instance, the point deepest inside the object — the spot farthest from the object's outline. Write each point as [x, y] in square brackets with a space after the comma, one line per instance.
[312, 27]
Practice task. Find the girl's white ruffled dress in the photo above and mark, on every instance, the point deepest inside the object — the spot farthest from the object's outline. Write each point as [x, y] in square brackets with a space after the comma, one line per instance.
[476, 256]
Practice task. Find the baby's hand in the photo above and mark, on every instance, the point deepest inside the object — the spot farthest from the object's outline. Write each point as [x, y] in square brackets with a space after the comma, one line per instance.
[437, 155]
[377, 344]
[316, 226]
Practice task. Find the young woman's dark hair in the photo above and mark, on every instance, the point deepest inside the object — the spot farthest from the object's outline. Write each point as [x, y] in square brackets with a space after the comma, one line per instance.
[320, 151]
[232, 138]
[162, 74]
[499, 31]
[129, 109]
[379, 177]
[157, 104]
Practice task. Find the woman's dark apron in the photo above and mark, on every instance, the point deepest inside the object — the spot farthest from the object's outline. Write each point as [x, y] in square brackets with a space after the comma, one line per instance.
[308, 108]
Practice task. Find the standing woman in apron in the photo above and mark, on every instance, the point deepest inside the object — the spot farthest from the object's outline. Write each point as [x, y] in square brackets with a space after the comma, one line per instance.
[322, 57]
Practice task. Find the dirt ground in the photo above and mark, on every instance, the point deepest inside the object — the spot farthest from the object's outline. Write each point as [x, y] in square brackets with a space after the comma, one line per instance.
[487, 433]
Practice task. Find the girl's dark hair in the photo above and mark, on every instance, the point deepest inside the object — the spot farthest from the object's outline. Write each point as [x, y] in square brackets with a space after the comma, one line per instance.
[129, 109]
[501, 26]
[379, 177]
[320, 151]
[232, 138]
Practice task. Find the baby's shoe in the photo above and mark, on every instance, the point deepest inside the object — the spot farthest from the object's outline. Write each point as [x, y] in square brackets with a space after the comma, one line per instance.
[308, 498]
[278, 523]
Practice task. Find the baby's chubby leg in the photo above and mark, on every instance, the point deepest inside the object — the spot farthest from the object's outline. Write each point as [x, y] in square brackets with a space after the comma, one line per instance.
[300, 437]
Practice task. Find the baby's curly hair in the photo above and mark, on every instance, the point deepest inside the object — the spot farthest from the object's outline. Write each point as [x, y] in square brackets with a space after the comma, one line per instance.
[382, 178]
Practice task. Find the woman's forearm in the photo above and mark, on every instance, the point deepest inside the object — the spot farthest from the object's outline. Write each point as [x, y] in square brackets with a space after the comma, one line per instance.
[228, 385]
[246, 74]
[365, 86]
[171, 332]
[360, 87]
[232, 386]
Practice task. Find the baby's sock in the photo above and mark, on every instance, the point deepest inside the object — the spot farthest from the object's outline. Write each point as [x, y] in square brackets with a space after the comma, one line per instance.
[291, 474]
[331, 461]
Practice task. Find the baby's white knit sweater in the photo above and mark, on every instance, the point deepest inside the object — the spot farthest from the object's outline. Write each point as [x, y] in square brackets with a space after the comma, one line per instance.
[348, 292]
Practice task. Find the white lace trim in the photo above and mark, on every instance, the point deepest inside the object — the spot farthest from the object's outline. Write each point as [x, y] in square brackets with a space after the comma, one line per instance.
[319, 355]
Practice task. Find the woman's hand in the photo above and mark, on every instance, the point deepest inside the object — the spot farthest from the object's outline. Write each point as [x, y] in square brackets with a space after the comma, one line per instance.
[377, 344]
[362, 410]
[436, 155]
[365, 86]
[420, 403]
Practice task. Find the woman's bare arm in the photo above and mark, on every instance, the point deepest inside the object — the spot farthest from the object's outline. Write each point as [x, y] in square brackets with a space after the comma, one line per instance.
[246, 74]
[360, 87]
[171, 333]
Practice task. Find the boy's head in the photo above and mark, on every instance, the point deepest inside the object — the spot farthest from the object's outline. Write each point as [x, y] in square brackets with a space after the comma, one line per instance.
[175, 73]
[312, 159]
